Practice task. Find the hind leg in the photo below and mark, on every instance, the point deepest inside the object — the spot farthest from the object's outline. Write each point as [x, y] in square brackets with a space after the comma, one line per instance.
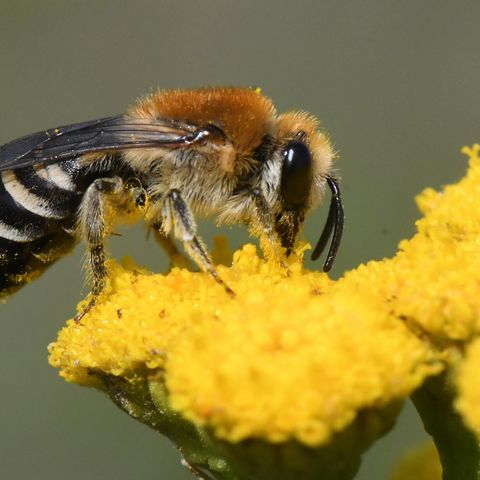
[93, 230]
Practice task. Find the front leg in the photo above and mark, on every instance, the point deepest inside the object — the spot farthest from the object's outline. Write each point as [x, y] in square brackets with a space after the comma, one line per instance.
[264, 227]
[177, 214]
[263, 220]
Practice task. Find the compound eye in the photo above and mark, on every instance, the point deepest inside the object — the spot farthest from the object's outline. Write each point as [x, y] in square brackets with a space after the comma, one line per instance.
[297, 175]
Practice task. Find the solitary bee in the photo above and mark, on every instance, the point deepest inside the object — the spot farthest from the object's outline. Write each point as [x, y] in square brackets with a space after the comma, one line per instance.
[175, 153]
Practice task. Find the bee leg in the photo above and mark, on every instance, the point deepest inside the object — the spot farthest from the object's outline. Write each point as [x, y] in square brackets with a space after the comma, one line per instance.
[91, 224]
[140, 198]
[176, 211]
[264, 215]
[265, 224]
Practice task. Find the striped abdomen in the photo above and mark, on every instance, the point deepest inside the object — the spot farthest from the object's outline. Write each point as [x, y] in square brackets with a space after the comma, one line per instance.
[37, 215]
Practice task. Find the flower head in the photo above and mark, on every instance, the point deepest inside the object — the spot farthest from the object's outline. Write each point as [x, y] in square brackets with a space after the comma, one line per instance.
[295, 360]
[437, 271]
[290, 357]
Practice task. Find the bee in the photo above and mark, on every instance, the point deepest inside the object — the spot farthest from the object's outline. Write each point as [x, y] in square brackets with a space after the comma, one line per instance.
[175, 154]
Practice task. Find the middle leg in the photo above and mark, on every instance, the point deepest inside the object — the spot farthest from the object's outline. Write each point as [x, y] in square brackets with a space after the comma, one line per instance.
[176, 214]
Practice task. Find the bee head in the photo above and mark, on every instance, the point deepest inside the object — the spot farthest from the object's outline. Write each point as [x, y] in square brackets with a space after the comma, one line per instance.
[306, 157]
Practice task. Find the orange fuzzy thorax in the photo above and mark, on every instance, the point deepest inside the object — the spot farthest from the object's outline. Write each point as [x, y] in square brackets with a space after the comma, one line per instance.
[245, 115]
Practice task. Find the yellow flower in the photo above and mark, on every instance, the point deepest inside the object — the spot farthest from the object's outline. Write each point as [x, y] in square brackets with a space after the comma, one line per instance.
[438, 271]
[293, 359]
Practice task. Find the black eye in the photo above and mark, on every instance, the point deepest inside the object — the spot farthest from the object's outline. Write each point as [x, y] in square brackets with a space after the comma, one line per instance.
[296, 175]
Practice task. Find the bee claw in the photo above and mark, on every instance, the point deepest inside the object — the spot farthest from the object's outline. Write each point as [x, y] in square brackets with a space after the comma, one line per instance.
[78, 317]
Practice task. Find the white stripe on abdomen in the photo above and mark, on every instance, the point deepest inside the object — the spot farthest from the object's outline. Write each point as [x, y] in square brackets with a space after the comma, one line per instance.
[29, 201]
[11, 233]
[60, 177]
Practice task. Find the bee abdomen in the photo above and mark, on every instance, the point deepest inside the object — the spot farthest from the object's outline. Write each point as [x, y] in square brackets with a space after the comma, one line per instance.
[22, 262]
[34, 191]
[37, 211]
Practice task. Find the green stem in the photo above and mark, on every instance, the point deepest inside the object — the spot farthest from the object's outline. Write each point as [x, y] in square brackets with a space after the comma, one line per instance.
[147, 402]
[457, 447]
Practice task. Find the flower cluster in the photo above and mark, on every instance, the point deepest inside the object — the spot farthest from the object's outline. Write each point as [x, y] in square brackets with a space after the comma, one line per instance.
[294, 356]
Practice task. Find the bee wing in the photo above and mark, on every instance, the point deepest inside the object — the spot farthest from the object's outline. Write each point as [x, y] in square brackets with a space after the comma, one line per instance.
[106, 134]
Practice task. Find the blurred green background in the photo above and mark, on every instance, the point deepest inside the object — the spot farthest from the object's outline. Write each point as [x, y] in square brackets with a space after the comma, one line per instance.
[395, 83]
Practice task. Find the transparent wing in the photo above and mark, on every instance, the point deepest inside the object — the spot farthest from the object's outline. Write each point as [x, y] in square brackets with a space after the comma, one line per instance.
[106, 134]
